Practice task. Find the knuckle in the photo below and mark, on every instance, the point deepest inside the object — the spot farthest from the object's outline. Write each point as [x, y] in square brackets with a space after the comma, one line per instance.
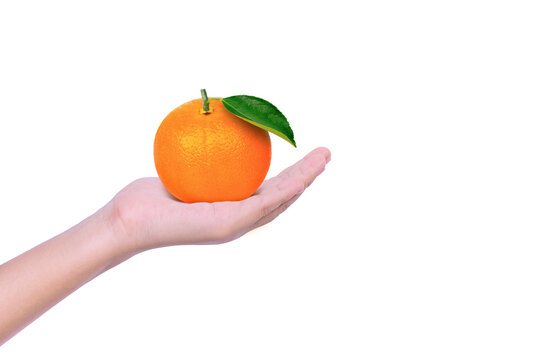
[264, 208]
[300, 185]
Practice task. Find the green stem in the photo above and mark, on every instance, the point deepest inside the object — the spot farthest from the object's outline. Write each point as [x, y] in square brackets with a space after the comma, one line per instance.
[206, 102]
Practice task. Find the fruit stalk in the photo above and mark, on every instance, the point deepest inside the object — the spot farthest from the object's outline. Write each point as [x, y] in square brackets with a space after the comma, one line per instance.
[206, 102]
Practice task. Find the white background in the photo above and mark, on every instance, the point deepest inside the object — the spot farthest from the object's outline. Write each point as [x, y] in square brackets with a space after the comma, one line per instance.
[419, 241]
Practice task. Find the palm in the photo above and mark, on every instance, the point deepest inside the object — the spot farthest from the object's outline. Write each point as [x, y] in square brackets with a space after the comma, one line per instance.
[145, 207]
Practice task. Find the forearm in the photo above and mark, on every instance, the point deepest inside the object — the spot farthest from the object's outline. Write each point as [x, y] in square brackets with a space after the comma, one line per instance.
[35, 281]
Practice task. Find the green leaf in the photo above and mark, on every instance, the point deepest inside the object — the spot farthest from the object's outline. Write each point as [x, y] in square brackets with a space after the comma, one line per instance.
[261, 113]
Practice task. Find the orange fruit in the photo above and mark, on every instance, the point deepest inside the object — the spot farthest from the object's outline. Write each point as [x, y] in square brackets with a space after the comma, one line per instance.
[208, 157]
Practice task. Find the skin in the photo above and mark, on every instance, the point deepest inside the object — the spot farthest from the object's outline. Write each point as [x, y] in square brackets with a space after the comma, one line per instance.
[142, 216]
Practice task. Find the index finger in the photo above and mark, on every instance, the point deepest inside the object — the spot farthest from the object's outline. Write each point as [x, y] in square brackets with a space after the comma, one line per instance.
[283, 187]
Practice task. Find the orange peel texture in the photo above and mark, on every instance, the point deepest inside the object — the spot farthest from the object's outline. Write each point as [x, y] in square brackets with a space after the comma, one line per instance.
[210, 157]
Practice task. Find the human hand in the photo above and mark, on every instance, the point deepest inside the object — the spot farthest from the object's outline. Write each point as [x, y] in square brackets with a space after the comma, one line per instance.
[142, 216]
[146, 216]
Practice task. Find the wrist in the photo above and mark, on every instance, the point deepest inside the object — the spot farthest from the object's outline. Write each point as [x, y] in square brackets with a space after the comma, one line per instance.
[117, 239]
